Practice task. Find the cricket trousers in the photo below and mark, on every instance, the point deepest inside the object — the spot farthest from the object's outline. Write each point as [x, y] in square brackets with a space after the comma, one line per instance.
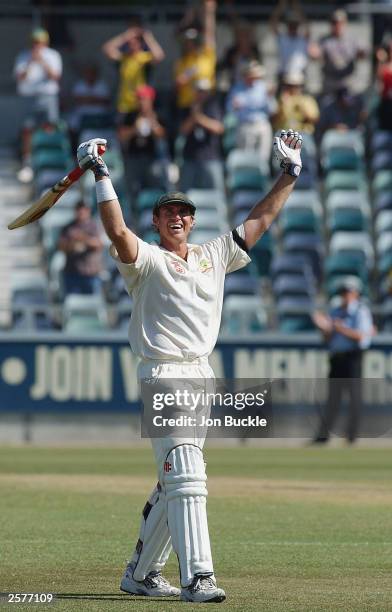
[181, 475]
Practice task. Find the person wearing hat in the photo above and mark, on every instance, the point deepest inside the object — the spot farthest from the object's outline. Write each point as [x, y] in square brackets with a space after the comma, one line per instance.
[251, 105]
[347, 330]
[296, 108]
[38, 72]
[339, 53]
[142, 136]
[177, 289]
[202, 129]
[197, 60]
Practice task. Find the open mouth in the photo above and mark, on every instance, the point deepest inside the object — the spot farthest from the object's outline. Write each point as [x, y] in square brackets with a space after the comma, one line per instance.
[175, 226]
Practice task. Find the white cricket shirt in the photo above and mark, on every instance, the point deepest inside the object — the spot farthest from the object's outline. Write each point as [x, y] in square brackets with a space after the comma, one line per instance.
[178, 304]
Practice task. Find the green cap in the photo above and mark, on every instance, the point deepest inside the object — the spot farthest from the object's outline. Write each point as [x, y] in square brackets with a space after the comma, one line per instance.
[174, 197]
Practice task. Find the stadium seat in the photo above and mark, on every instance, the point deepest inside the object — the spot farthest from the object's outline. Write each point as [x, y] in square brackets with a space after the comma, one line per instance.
[341, 198]
[200, 236]
[294, 285]
[84, 313]
[346, 220]
[383, 201]
[262, 253]
[334, 285]
[147, 197]
[229, 139]
[382, 181]
[241, 283]
[341, 159]
[209, 198]
[385, 264]
[247, 178]
[94, 121]
[309, 245]
[307, 198]
[299, 220]
[381, 140]
[383, 222]
[245, 199]
[352, 264]
[384, 243]
[336, 139]
[210, 219]
[295, 323]
[52, 225]
[242, 158]
[382, 160]
[50, 140]
[150, 236]
[344, 179]
[243, 315]
[306, 180]
[46, 178]
[353, 242]
[288, 263]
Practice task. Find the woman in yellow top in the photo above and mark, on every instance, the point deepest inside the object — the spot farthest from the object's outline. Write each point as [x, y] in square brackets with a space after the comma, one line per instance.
[198, 59]
[128, 49]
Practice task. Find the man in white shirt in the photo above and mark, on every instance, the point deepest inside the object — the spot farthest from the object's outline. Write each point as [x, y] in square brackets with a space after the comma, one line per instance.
[177, 290]
[38, 72]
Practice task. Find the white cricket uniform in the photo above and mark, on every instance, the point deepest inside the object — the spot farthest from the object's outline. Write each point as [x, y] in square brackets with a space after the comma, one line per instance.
[174, 326]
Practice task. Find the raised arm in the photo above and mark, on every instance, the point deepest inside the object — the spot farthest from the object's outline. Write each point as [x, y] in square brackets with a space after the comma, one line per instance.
[210, 23]
[124, 240]
[277, 15]
[157, 52]
[287, 149]
[111, 48]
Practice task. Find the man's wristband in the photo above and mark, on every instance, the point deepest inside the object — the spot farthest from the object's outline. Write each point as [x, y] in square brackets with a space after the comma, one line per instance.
[105, 190]
[292, 169]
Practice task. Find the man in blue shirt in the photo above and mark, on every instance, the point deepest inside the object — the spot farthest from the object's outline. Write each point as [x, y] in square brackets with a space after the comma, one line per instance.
[348, 330]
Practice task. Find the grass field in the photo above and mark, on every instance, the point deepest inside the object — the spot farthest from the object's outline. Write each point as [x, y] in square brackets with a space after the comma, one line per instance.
[291, 529]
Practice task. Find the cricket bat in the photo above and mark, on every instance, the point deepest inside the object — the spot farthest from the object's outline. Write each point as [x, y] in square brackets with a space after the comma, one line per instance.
[49, 199]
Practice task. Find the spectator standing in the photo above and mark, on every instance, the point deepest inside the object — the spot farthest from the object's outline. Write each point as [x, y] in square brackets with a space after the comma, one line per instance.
[384, 76]
[341, 111]
[296, 108]
[90, 96]
[142, 136]
[292, 39]
[37, 71]
[348, 330]
[81, 242]
[251, 105]
[202, 128]
[198, 58]
[339, 52]
[241, 52]
[134, 50]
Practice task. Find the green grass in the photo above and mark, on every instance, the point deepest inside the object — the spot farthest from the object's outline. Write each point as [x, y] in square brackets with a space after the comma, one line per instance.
[291, 529]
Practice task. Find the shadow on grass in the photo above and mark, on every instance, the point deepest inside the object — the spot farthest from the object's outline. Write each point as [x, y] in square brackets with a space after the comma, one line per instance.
[114, 597]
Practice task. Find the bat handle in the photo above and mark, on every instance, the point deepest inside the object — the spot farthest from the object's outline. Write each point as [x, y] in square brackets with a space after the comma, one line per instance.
[78, 172]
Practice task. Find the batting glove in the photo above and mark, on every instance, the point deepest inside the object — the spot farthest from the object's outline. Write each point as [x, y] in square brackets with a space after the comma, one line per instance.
[287, 150]
[89, 157]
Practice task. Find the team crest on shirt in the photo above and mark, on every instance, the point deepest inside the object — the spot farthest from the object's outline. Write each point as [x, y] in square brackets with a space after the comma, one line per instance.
[178, 267]
[205, 265]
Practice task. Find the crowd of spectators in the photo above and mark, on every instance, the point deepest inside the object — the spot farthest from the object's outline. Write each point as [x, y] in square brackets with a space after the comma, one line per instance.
[208, 94]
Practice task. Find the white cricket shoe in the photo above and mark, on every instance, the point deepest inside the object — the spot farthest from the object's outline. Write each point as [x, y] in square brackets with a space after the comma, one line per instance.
[203, 589]
[154, 585]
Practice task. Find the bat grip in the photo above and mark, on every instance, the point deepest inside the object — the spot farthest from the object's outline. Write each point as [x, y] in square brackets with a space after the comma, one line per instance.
[75, 174]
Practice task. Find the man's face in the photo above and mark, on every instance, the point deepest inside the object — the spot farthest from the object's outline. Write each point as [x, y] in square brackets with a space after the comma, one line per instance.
[338, 27]
[348, 296]
[174, 221]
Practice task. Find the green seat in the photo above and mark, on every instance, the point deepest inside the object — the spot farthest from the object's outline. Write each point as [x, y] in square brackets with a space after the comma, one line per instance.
[344, 179]
[291, 324]
[382, 181]
[150, 236]
[44, 159]
[84, 324]
[247, 178]
[147, 198]
[342, 159]
[347, 264]
[385, 265]
[229, 140]
[299, 220]
[347, 220]
[262, 253]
